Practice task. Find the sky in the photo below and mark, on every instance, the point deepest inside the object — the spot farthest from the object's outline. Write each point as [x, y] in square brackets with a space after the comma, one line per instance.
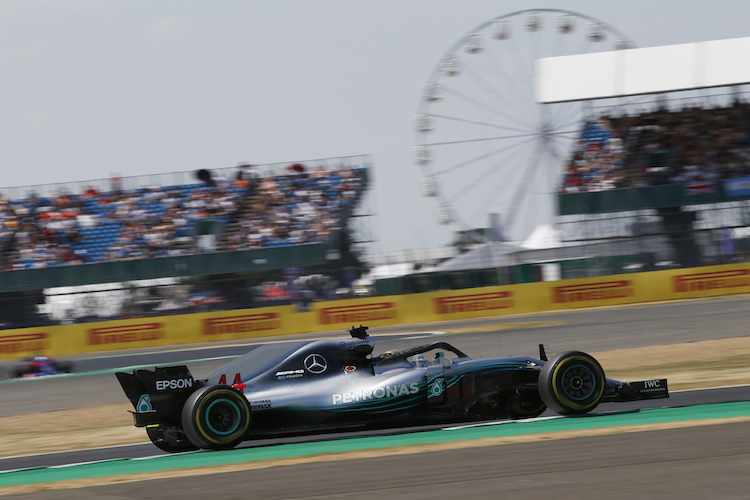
[93, 88]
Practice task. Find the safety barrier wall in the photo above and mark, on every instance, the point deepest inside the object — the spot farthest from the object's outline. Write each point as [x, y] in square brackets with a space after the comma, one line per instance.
[337, 316]
[164, 267]
[628, 199]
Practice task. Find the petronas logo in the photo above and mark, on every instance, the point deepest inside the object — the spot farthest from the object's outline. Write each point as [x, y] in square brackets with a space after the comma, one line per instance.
[144, 404]
[437, 387]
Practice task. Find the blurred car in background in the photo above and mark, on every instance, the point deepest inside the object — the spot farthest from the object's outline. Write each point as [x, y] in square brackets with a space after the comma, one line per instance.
[40, 366]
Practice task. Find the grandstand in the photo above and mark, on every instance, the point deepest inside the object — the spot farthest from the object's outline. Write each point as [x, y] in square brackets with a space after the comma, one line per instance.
[246, 221]
[663, 163]
[275, 210]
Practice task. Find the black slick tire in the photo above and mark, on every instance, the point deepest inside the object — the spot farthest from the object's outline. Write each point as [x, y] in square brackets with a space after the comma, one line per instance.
[216, 417]
[572, 383]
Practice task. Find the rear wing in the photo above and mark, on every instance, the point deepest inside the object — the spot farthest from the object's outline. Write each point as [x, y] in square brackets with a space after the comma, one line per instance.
[634, 391]
[158, 395]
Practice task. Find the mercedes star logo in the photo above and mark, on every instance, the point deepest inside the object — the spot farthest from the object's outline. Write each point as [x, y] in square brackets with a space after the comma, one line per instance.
[315, 363]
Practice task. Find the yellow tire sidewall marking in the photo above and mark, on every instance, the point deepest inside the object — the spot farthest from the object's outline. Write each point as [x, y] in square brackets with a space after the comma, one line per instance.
[565, 363]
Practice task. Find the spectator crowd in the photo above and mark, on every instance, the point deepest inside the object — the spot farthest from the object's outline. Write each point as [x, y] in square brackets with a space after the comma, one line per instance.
[296, 209]
[693, 146]
[597, 160]
[66, 228]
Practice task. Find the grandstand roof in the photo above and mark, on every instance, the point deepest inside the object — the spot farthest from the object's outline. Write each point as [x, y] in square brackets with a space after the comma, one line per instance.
[665, 68]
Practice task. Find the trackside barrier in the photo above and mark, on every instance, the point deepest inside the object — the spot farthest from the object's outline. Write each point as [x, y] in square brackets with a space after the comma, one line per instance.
[337, 316]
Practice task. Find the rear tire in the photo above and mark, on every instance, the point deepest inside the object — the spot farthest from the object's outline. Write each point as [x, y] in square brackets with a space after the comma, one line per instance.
[572, 383]
[216, 417]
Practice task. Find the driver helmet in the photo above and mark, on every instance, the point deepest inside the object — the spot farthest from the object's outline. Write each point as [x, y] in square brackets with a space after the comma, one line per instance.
[390, 354]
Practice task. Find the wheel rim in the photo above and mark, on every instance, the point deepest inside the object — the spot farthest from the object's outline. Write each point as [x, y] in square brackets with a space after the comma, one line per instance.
[578, 382]
[223, 417]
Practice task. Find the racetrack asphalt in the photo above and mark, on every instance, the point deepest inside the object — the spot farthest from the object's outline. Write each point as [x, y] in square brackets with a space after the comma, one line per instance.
[689, 463]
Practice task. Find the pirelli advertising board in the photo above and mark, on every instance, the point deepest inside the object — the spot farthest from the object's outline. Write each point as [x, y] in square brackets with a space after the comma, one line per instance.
[239, 324]
[16, 343]
[591, 292]
[337, 316]
[144, 332]
[475, 302]
[375, 311]
[703, 283]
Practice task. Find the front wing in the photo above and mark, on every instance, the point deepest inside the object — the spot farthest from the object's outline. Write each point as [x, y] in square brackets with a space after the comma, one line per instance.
[616, 391]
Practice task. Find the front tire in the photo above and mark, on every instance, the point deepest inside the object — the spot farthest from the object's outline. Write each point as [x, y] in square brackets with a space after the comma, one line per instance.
[216, 417]
[572, 383]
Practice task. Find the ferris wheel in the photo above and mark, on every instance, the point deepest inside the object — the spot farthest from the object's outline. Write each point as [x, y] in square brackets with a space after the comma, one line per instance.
[486, 148]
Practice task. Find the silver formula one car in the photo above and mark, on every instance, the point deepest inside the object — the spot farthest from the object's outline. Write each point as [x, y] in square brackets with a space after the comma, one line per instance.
[316, 386]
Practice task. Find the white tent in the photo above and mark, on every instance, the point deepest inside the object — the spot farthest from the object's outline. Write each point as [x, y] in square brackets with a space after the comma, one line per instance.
[482, 256]
[543, 236]
[390, 271]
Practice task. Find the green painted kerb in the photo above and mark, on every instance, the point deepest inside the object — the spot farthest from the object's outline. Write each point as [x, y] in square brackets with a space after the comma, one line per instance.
[516, 428]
